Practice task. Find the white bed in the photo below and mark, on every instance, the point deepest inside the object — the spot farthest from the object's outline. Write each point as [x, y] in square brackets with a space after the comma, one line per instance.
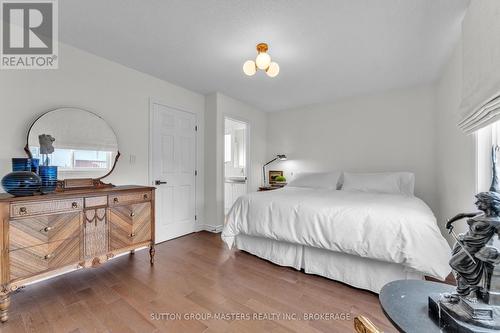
[362, 239]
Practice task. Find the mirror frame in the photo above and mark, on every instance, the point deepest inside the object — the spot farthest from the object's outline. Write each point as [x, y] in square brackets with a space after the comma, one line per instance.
[76, 183]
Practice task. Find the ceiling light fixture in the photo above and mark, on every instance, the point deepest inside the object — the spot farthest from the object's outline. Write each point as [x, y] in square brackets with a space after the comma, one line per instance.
[262, 62]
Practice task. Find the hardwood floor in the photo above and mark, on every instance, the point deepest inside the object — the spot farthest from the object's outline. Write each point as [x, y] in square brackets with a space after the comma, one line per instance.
[195, 274]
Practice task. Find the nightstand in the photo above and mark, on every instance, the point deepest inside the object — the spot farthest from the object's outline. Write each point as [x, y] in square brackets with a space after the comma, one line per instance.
[405, 303]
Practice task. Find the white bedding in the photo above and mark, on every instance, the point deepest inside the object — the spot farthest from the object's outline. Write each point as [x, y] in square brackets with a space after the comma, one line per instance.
[386, 227]
[356, 271]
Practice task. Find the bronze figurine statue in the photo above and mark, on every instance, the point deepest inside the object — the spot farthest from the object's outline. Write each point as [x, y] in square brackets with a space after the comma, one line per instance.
[473, 258]
[475, 261]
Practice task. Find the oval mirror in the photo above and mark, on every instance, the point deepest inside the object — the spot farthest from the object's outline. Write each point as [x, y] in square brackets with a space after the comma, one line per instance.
[85, 145]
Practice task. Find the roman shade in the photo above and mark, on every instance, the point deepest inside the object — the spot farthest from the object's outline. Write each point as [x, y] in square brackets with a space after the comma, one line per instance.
[480, 105]
[74, 129]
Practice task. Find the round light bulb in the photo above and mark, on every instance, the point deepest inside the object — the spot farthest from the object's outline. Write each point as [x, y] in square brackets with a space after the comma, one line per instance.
[273, 69]
[249, 67]
[263, 60]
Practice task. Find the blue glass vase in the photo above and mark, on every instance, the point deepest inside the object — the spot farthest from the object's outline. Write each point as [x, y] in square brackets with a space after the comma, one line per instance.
[25, 164]
[21, 164]
[35, 164]
[49, 178]
[21, 183]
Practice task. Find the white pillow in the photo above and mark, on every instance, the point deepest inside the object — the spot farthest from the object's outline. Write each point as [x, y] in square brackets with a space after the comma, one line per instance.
[326, 180]
[388, 182]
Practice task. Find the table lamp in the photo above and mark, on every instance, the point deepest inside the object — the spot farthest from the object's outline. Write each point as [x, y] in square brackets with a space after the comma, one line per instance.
[281, 157]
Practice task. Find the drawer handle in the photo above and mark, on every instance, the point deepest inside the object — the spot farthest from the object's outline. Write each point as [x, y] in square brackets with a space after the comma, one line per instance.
[115, 200]
[23, 211]
[132, 235]
[47, 229]
[48, 256]
[74, 205]
[132, 214]
[145, 196]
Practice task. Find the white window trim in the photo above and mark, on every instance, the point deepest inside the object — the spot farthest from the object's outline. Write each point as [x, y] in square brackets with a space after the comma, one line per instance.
[485, 138]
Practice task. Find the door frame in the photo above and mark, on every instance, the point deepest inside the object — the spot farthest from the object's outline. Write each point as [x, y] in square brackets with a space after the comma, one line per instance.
[153, 101]
[247, 154]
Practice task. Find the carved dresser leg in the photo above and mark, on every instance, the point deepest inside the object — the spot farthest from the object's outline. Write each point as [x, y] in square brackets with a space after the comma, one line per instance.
[4, 307]
[152, 254]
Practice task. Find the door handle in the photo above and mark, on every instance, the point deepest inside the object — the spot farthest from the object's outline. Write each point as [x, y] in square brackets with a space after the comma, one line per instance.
[159, 182]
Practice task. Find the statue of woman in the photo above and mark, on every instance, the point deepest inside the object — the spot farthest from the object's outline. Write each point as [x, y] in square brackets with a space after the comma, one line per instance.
[472, 258]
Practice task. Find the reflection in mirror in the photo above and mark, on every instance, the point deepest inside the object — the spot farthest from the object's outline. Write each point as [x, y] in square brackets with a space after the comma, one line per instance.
[85, 145]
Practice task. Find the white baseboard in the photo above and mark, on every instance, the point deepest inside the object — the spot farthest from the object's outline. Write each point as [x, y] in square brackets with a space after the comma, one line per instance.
[210, 228]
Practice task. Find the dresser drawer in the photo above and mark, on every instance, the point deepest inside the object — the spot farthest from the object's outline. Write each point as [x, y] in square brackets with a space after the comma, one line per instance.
[24, 209]
[96, 202]
[129, 198]
[37, 259]
[41, 229]
[129, 225]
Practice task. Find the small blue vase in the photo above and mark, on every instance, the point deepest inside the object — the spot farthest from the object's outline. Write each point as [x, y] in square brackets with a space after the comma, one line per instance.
[49, 178]
[25, 164]
[21, 183]
[21, 164]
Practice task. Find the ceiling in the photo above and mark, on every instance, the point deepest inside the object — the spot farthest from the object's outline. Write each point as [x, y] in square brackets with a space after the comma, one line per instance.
[326, 49]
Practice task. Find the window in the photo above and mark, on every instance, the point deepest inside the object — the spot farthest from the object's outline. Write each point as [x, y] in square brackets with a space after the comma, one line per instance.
[77, 160]
[485, 139]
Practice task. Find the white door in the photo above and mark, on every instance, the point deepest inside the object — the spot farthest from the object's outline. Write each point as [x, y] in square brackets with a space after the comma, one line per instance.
[173, 171]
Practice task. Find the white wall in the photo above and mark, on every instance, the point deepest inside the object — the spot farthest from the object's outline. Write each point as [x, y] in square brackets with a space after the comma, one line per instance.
[118, 94]
[219, 106]
[387, 132]
[214, 199]
[455, 151]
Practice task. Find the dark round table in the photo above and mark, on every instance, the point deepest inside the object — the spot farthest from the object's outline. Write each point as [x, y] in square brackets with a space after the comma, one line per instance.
[405, 303]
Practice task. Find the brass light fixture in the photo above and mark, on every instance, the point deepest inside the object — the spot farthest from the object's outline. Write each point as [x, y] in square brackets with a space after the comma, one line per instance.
[262, 62]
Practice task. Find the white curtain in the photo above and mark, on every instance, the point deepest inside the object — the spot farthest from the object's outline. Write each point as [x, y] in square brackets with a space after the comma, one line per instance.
[481, 65]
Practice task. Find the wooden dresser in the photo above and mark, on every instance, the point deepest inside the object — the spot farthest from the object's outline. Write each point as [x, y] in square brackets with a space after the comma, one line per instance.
[47, 234]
